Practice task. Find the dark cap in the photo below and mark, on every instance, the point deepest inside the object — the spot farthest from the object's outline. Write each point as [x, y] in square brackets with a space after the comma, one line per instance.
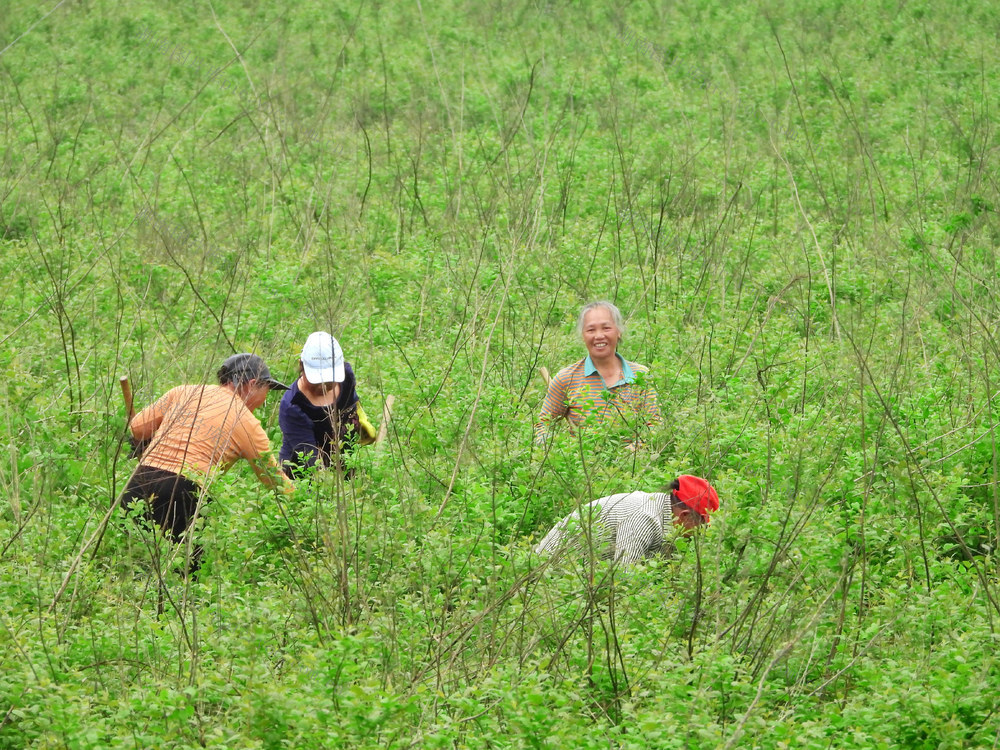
[244, 367]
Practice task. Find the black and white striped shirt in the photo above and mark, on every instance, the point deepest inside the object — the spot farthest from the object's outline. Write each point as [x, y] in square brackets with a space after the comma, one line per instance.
[625, 527]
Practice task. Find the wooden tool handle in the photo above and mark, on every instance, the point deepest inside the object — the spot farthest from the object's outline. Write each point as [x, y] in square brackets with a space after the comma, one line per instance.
[383, 429]
[127, 395]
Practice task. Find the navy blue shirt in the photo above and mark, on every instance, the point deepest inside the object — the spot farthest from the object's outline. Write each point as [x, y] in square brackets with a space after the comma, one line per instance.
[312, 430]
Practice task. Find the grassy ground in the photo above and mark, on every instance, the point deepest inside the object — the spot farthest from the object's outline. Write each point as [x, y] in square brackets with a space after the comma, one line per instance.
[794, 203]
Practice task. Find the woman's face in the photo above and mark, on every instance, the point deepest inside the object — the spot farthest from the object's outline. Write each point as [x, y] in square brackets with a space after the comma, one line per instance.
[686, 517]
[256, 394]
[600, 335]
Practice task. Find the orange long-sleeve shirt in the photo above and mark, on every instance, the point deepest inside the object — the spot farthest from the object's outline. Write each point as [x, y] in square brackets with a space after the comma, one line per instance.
[195, 429]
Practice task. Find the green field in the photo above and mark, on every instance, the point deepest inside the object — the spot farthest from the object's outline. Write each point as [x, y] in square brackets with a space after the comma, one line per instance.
[794, 203]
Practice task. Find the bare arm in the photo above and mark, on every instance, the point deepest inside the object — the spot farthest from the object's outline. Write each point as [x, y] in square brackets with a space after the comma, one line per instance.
[270, 474]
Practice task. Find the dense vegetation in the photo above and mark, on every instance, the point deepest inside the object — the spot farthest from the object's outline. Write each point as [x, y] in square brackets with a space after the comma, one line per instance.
[796, 206]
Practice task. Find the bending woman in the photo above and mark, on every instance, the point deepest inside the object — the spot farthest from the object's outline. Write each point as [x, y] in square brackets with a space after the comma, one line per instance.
[631, 525]
[581, 390]
[319, 413]
[196, 432]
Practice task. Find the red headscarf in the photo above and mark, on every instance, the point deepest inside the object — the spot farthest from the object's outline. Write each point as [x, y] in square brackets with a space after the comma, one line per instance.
[697, 494]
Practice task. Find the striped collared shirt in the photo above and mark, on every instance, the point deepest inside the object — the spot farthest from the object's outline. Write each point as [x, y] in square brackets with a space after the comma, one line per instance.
[579, 391]
[623, 527]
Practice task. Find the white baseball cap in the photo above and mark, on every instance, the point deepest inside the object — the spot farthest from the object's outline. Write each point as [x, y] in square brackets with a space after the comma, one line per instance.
[322, 359]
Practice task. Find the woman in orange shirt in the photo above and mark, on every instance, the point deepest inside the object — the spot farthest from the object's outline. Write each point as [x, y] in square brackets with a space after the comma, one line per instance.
[196, 432]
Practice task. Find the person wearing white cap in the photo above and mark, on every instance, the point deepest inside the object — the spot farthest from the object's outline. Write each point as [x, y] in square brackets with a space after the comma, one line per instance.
[319, 413]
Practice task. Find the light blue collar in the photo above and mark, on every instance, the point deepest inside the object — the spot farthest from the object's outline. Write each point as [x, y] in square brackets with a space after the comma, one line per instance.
[627, 375]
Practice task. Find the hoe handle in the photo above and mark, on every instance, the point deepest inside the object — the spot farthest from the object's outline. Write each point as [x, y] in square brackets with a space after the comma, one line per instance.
[127, 395]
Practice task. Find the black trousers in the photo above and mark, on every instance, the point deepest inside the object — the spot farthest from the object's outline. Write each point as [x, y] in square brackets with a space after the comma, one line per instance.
[170, 499]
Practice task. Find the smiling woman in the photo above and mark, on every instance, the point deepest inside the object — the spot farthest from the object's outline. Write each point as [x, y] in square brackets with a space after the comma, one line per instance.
[603, 385]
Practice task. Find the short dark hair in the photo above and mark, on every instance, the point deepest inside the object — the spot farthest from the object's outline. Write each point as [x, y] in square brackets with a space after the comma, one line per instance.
[678, 502]
[236, 379]
[242, 368]
[672, 488]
